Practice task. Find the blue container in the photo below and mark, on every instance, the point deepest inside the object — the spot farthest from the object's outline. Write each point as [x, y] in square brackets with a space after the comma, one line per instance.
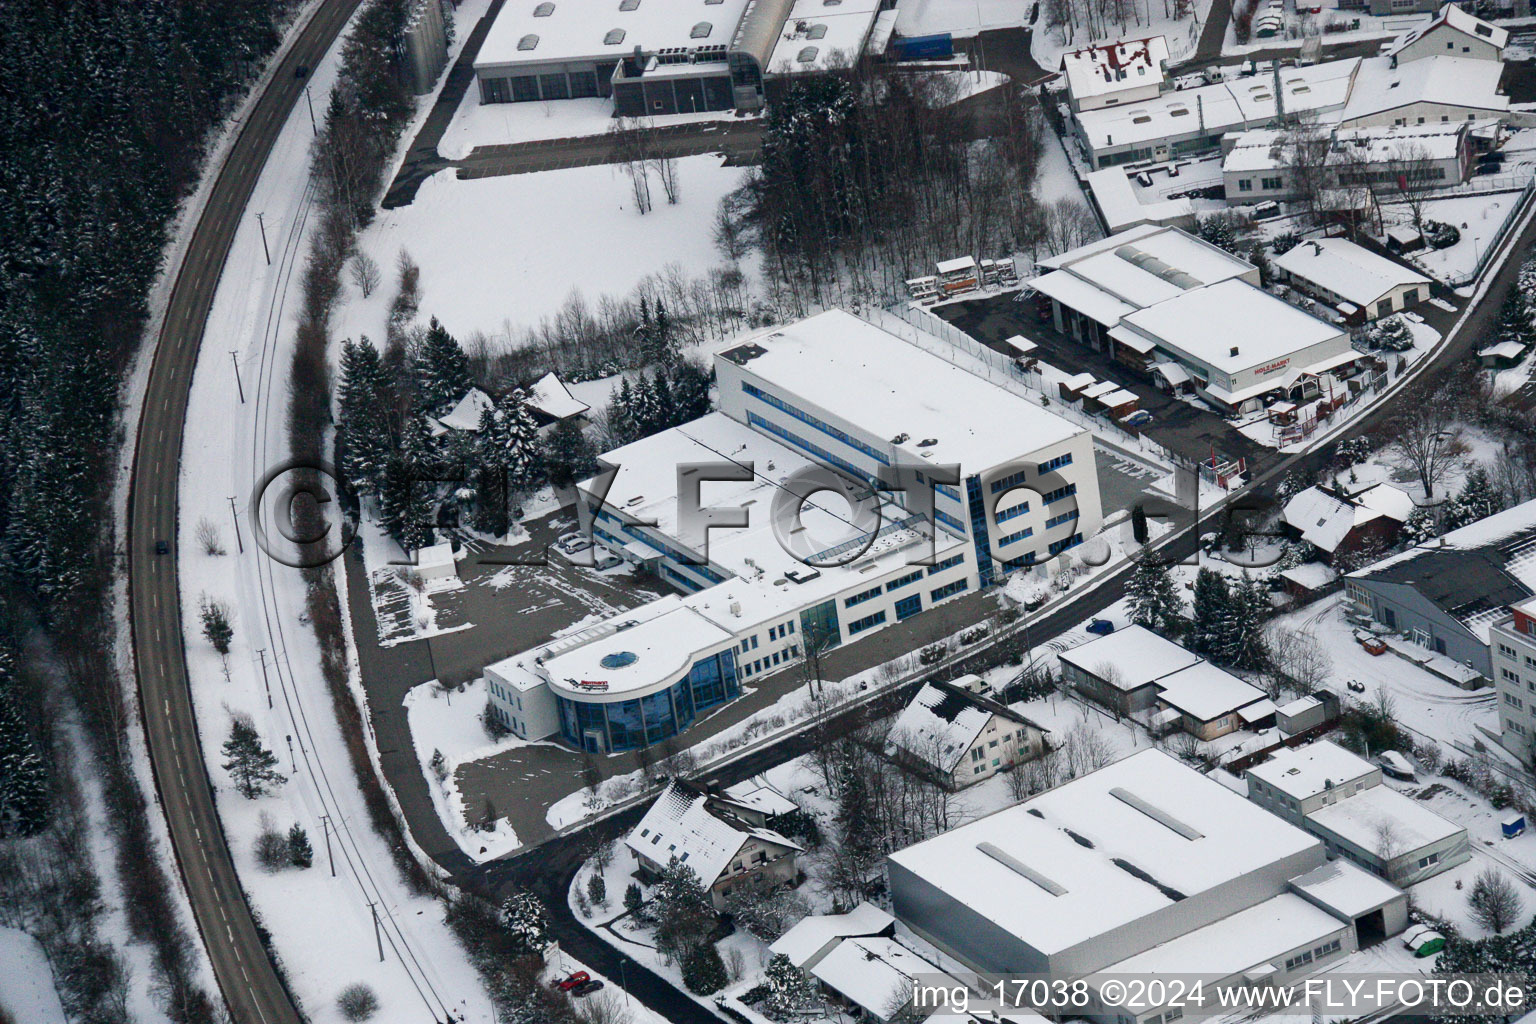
[934, 47]
[1513, 825]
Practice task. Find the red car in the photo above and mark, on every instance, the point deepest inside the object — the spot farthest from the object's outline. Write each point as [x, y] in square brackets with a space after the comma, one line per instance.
[579, 978]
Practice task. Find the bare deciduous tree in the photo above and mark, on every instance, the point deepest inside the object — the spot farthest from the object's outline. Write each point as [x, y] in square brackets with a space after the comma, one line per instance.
[208, 537]
[1425, 436]
[1299, 659]
[365, 273]
[1493, 900]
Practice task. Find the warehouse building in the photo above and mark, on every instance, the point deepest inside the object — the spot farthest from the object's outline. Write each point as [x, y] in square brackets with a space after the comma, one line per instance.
[1142, 867]
[1340, 798]
[665, 56]
[832, 401]
[1153, 297]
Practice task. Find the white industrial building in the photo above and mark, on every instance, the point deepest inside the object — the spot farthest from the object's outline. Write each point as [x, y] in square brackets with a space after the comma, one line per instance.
[1259, 165]
[1351, 278]
[1339, 797]
[1108, 74]
[839, 401]
[1512, 648]
[1142, 867]
[665, 56]
[1153, 296]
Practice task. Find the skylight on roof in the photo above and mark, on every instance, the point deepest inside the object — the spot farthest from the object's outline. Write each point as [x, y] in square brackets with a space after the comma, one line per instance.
[628, 5]
[614, 37]
[544, 10]
[528, 42]
[701, 30]
[1021, 869]
[808, 55]
[816, 32]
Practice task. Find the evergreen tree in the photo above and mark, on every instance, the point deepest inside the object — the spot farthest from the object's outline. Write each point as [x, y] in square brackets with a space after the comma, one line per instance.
[300, 853]
[633, 900]
[1212, 613]
[682, 909]
[597, 889]
[251, 766]
[1420, 525]
[788, 991]
[703, 970]
[441, 369]
[1139, 531]
[526, 922]
[1478, 499]
[569, 455]
[24, 791]
[1515, 319]
[621, 414]
[363, 435]
[1154, 596]
[690, 390]
[216, 626]
[1244, 646]
[1217, 230]
[663, 343]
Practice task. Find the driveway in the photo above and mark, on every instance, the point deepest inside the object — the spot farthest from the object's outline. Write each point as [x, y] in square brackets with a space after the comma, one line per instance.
[1178, 426]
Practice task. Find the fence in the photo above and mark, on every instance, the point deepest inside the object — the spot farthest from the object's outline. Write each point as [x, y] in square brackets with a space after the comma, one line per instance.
[932, 333]
[1516, 211]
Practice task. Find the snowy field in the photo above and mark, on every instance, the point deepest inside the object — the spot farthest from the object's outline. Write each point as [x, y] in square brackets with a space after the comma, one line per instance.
[476, 124]
[1477, 217]
[499, 254]
[26, 983]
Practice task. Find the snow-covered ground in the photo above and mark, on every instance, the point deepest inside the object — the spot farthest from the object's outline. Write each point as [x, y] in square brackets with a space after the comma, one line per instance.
[322, 927]
[498, 254]
[26, 981]
[478, 124]
[1477, 217]
[1048, 44]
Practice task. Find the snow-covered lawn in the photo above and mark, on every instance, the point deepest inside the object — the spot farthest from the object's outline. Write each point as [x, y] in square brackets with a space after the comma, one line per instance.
[499, 254]
[498, 124]
[1478, 218]
[26, 981]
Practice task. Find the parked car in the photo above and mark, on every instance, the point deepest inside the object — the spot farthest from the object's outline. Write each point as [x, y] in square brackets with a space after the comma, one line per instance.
[1266, 211]
[1101, 627]
[1397, 766]
[566, 984]
[1487, 169]
[586, 988]
[1139, 418]
[607, 559]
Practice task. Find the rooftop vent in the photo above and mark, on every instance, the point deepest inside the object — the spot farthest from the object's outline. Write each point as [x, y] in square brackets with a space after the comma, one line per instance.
[901, 438]
[528, 42]
[1234, 350]
[928, 442]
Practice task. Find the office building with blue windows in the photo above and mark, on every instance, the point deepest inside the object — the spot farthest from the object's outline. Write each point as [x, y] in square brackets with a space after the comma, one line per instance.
[833, 399]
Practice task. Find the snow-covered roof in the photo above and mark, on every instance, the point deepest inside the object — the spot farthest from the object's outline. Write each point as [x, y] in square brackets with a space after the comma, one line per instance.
[573, 30]
[887, 386]
[1248, 938]
[761, 797]
[1204, 692]
[637, 658]
[1386, 144]
[1450, 81]
[817, 35]
[942, 722]
[1263, 149]
[435, 556]
[1107, 68]
[550, 396]
[1122, 207]
[1503, 350]
[685, 823]
[1363, 818]
[809, 939]
[1346, 269]
[873, 972]
[465, 414]
[1227, 106]
[1324, 519]
[1454, 17]
[1052, 870]
[1256, 711]
[1198, 325]
[1346, 889]
[1173, 373]
[1310, 576]
[1137, 655]
[1302, 772]
[1300, 705]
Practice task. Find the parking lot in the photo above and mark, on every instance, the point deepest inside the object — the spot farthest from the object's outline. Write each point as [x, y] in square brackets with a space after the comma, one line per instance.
[1180, 427]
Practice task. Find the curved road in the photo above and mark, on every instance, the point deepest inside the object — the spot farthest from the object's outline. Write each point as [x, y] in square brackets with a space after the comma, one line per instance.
[252, 990]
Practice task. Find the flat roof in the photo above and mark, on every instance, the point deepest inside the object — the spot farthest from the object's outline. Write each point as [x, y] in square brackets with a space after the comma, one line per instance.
[1305, 771]
[635, 658]
[1247, 939]
[1361, 818]
[1138, 655]
[1056, 870]
[581, 29]
[818, 35]
[1346, 269]
[1205, 692]
[887, 386]
[1346, 888]
[1238, 104]
[1199, 324]
[1108, 68]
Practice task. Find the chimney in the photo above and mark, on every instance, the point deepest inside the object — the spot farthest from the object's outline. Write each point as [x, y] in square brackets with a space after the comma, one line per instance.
[1234, 350]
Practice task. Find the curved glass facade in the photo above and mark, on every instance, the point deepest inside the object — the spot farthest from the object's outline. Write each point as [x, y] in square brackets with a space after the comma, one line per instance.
[627, 724]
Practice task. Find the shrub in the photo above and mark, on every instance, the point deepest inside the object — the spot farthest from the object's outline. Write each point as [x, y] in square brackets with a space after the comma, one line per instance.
[703, 970]
[271, 847]
[357, 1002]
[931, 654]
[1391, 334]
[1440, 234]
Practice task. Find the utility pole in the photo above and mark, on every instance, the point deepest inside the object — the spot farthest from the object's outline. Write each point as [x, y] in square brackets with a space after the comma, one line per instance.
[234, 357]
[325, 826]
[311, 102]
[265, 682]
[233, 514]
[377, 935]
[264, 250]
[292, 763]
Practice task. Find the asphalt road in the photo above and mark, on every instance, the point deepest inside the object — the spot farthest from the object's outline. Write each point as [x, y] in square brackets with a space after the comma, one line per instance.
[252, 990]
